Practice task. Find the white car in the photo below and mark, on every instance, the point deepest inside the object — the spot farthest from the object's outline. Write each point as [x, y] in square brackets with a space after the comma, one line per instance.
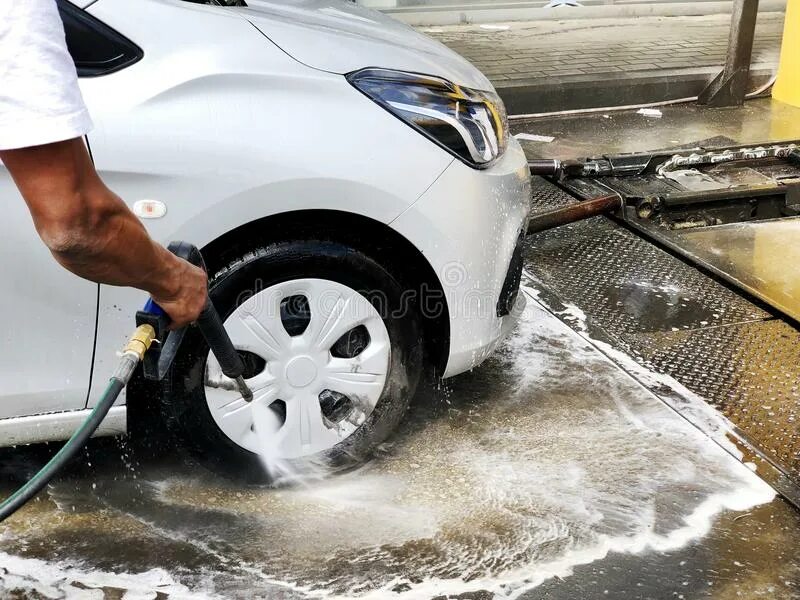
[355, 192]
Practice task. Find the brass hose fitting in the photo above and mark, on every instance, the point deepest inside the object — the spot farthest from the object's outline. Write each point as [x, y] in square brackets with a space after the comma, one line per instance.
[133, 353]
[140, 341]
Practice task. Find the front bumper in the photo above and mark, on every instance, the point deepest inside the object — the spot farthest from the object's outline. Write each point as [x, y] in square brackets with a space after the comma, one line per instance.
[468, 224]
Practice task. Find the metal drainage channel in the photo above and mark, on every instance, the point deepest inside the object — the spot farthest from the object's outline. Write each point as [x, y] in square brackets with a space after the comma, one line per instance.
[671, 318]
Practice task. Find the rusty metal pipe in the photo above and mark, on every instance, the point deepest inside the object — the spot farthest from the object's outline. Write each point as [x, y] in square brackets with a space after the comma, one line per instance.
[574, 212]
[545, 167]
[552, 167]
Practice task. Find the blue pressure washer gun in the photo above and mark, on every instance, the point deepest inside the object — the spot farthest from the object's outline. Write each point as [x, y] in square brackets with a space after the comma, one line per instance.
[156, 347]
[153, 322]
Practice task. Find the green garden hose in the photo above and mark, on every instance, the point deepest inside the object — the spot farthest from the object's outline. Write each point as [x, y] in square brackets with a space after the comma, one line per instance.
[134, 352]
[153, 324]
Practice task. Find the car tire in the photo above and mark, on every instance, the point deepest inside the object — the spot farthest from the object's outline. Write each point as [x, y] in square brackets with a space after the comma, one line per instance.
[188, 399]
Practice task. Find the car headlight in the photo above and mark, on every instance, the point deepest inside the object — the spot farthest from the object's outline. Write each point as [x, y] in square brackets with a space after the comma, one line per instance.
[468, 123]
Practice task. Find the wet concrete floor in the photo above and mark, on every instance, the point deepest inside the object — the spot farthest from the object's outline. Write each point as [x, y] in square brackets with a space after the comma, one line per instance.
[615, 132]
[546, 473]
[737, 352]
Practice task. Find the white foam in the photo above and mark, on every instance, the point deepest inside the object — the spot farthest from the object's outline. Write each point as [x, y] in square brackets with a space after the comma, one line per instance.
[567, 461]
[685, 401]
[55, 580]
[566, 491]
[740, 489]
[517, 582]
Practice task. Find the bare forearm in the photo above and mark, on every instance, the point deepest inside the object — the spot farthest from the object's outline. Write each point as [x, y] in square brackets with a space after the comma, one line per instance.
[122, 254]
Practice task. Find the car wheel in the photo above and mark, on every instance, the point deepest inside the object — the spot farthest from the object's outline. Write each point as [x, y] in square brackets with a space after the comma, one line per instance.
[329, 346]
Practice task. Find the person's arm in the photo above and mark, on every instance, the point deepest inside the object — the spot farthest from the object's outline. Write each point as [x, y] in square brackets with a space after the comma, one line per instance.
[91, 232]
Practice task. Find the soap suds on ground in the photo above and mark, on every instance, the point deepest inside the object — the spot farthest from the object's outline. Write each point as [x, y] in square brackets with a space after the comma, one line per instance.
[546, 458]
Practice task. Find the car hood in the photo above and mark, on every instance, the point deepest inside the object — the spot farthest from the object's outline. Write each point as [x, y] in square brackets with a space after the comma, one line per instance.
[341, 37]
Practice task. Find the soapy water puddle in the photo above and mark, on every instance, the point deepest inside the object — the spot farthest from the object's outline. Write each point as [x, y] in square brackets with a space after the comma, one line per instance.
[546, 458]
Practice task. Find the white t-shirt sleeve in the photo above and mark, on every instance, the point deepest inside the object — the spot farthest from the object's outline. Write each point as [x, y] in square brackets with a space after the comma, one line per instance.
[40, 101]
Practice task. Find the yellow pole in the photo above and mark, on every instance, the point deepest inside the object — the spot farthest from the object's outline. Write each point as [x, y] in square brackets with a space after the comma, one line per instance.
[787, 86]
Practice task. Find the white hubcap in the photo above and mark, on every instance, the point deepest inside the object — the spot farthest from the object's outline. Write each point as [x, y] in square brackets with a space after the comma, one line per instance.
[324, 396]
[301, 371]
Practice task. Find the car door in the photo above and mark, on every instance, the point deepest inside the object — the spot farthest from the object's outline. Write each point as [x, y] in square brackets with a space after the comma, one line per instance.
[48, 320]
[49, 315]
